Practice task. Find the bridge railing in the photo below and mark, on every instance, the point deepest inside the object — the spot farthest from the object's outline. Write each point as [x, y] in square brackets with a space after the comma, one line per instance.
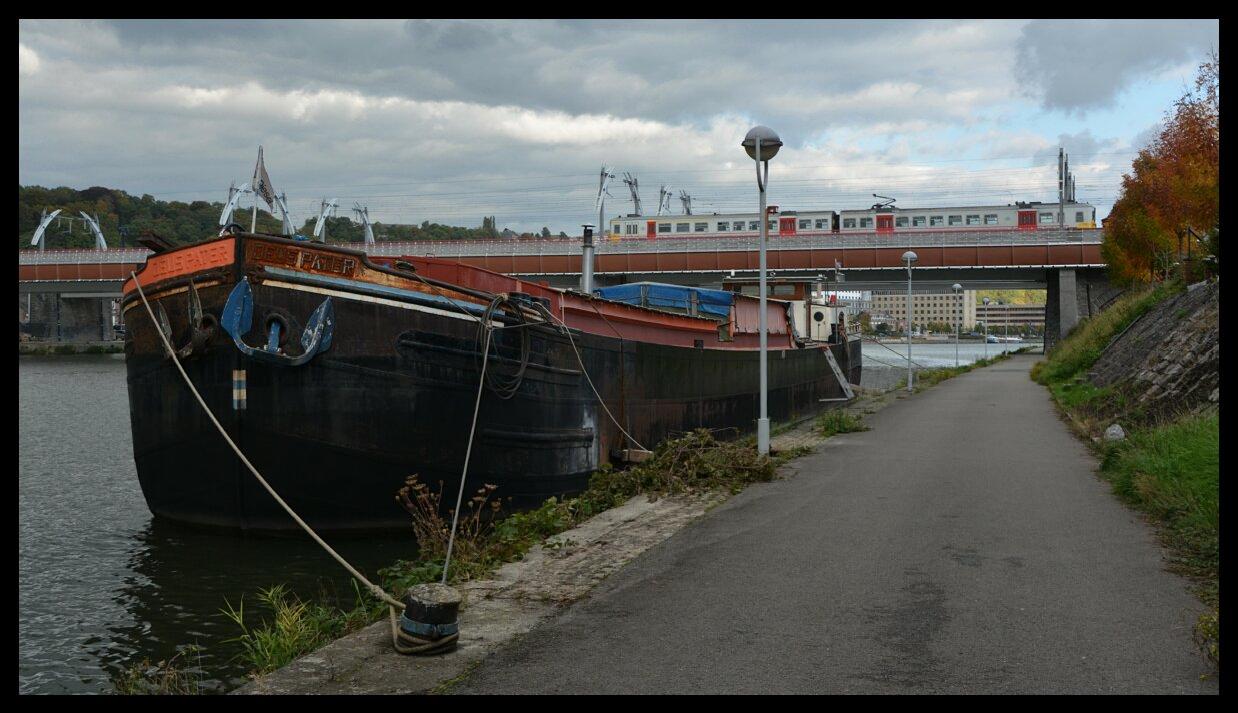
[571, 246]
[81, 257]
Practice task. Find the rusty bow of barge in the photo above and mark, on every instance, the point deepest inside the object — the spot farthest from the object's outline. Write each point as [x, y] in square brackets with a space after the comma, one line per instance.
[340, 375]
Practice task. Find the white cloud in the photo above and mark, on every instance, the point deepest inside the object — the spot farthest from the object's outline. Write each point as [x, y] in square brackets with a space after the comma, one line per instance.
[27, 60]
[455, 120]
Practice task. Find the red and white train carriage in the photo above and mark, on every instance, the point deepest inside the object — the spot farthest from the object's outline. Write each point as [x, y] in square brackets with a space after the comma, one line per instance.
[879, 220]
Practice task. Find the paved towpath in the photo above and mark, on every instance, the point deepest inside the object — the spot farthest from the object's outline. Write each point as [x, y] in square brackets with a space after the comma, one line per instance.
[963, 545]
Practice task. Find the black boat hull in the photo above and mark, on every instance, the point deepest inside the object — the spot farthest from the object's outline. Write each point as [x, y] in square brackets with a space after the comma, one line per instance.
[394, 395]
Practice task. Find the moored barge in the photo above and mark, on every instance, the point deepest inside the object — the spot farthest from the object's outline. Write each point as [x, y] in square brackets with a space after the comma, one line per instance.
[339, 375]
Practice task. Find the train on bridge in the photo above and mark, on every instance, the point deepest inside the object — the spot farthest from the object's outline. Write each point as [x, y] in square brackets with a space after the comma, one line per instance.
[879, 219]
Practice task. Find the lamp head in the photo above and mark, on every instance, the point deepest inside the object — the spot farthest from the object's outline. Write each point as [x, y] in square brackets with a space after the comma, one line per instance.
[770, 143]
[956, 287]
[910, 257]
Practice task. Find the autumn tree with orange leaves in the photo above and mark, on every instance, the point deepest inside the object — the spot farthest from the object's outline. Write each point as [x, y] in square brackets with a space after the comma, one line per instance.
[1169, 205]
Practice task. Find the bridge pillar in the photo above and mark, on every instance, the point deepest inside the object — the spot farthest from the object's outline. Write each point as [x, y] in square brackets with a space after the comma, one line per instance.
[1072, 295]
[1061, 305]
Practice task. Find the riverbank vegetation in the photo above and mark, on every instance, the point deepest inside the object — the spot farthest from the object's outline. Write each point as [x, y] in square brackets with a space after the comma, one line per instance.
[180, 675]
[1167, 466]
[488, 537]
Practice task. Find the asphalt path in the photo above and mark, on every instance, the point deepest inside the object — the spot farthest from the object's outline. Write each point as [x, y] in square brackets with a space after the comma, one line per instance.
[963, 545]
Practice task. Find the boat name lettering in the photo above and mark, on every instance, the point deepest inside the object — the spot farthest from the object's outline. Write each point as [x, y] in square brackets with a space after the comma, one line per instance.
[182, 262]
[303, 259]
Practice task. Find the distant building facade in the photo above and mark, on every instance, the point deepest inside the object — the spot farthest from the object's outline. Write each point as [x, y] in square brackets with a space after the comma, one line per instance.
[927, 308]
[1003, 315]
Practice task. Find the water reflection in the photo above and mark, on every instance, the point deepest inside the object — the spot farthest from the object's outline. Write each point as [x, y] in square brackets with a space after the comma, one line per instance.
[180, 577]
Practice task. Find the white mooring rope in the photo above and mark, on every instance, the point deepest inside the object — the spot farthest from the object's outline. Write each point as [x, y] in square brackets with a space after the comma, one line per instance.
[398, 637]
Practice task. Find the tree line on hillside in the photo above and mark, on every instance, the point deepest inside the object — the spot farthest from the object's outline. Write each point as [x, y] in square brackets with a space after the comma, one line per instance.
[1169, 204]
[124, 218]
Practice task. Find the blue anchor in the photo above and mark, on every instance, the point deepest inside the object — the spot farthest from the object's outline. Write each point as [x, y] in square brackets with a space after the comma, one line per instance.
[238, 317]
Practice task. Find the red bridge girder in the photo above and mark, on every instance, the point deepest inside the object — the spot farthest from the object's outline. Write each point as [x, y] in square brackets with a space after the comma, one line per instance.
[855, 258]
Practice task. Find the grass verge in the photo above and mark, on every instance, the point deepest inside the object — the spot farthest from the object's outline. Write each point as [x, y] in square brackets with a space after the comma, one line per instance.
[1167, 467]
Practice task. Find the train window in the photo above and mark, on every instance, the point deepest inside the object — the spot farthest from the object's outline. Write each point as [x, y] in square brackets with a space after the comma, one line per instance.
[990, 218]
[956, 220]
[823, 224]
[1079, 217]
[724, 226]
[632, 229]
[773, 225]
[900, 221]
[664, 227]
[805, 223]
[866, 222]
[1047, 218]
[936, 220]
[700, 227]
[754, 225]
[681, 227]
[917, 221]
[848, 222]
[973, 220]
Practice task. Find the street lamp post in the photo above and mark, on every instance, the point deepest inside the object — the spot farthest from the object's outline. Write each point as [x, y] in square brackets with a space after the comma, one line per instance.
[762, 144]
[909, 257]
[958, 322]
[986, 328]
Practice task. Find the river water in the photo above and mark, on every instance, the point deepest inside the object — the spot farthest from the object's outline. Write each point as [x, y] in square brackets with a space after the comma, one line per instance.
[102, 586]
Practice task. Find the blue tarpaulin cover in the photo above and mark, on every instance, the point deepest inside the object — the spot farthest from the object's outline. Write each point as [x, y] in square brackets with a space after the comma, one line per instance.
[710, 302]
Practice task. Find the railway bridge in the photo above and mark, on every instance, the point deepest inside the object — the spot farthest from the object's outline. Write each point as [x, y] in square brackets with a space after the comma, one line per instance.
[69, 295]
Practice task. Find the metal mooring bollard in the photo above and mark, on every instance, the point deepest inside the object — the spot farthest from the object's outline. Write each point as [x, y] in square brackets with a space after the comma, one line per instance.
[430, 622]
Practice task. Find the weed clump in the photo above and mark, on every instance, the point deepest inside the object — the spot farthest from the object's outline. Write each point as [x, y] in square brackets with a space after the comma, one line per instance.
[296, 627]
[839, 421]
[170, 677]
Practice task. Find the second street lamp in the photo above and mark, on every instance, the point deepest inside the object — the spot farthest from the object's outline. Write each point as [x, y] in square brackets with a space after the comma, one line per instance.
[958, 320]
[762, 144]
[986, 328]
[909, 257]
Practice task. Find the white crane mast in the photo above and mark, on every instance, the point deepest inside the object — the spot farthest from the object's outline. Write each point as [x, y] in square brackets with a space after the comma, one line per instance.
[634, 188]
[363, 214]
[664, 199]
[93, 223]
[43, 223]
[327, 210]
[234, 198]
[281, 202]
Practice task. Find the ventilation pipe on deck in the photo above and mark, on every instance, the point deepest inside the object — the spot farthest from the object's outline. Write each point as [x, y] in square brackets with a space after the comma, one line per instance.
[586, 261]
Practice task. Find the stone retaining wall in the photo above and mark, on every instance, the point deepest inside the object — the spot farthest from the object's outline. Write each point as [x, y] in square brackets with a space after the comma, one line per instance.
[1168, 360]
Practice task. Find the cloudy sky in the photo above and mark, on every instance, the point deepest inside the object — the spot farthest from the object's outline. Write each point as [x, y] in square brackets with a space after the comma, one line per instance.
[449, 120]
